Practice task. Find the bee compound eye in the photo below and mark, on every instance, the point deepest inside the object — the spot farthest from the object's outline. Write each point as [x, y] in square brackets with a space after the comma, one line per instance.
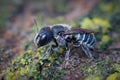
[43, 37]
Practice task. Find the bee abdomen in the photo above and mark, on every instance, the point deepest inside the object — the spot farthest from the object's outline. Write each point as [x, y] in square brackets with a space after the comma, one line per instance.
[85, 38]
[91, 41]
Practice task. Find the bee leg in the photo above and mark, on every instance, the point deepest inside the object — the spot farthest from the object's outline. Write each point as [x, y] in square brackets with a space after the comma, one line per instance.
[53, 47]
[47, 53]
[86, 50]
[67, 55]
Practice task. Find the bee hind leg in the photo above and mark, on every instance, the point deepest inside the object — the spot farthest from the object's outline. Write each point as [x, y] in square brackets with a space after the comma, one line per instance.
[85, 48]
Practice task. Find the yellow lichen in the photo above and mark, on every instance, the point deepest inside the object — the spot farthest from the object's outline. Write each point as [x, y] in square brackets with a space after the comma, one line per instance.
[107, 7]
[23, 61]
[88, 24]
[10, 76]
[24, 70]
[103, 23]
[105, 38]
[112, 76]
[117, 67]
[38, 54]
[29, 51]
[96, 23]
[48, 64]
[93, 78]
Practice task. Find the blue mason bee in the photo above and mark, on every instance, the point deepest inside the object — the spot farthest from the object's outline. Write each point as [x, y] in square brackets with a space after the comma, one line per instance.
[62, 35]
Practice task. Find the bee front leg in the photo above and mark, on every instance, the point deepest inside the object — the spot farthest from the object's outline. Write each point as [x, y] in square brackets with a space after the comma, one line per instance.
[86, 50]
[47, 53]
[53, 47]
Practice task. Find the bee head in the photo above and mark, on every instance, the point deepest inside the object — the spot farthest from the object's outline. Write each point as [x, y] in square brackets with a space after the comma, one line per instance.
[43, 37]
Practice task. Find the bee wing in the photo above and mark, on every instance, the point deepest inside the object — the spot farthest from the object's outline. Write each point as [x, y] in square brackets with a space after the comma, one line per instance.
[83, 30]
[76, 30]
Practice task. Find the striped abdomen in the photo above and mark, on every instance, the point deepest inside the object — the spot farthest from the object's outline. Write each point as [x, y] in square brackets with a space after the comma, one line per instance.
[81, 38]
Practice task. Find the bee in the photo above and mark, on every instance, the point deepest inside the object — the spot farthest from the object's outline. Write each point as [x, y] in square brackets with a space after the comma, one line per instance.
[62, 35]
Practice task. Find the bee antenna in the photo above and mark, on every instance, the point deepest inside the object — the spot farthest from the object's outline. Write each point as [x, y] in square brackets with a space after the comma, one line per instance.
[35, 22]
